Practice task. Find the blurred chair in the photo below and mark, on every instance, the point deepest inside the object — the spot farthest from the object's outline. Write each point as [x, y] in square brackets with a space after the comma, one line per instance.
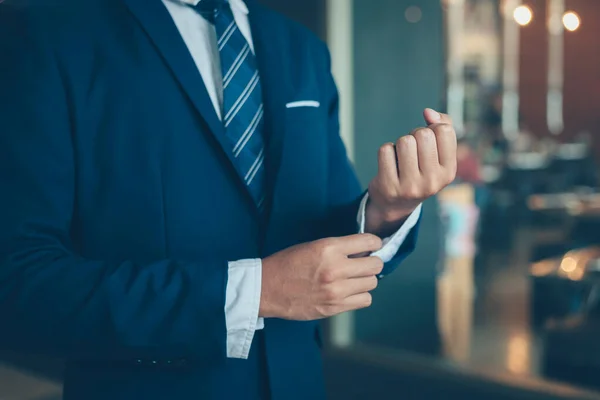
[571, 345]
[560, 286]
[572, 351]
[572, 166]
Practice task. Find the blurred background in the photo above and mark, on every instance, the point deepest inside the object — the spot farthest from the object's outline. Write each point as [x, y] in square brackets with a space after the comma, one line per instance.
[501, 300]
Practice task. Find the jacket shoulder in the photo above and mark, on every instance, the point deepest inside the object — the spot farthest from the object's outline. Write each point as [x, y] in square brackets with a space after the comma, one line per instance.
[297, 33]
[48, 15]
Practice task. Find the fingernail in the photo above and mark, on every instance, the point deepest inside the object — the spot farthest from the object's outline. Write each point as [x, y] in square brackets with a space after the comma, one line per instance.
[434, 114]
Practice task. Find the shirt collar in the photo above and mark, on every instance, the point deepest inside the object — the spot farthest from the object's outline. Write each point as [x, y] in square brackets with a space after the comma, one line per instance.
[238, 4]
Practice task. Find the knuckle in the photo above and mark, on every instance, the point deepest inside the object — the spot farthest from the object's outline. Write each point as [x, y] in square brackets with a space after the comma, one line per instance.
[431, 188]
[326, 247]
[388, 193]
[411, 192]
[388, 197]
[319, 246]
[406, 142]
[444, 129]
[384, 149]
[373, 240]
[326, 276]
[377, 265]
[392, 197]
[373, 283]
[331, 294]
[422, 134]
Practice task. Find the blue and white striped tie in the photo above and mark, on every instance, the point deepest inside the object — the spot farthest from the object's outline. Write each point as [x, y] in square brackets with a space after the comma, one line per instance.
[242, 96]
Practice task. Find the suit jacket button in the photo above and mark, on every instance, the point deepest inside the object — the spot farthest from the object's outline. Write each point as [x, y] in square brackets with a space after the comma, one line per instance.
[139, 362]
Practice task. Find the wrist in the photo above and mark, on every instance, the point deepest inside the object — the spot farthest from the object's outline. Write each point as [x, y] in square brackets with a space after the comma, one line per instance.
[265, 310]
[389, 215]
[384, 221]
[267, 307]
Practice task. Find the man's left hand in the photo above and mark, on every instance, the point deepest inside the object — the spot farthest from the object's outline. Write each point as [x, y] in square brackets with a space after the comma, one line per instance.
[413, 169]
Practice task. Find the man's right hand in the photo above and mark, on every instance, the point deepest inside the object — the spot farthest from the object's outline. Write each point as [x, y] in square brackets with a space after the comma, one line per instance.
[319, 279]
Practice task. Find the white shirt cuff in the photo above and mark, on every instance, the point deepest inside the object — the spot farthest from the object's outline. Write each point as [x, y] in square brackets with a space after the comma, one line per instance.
[242, 302]
[242, 297]
[391, 244]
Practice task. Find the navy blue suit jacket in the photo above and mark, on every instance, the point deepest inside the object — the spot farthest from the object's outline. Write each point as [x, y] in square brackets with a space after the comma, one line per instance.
[120, 206]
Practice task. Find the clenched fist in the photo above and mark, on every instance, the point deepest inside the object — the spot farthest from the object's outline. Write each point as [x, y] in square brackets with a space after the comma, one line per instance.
[319, 279]
[416, 167]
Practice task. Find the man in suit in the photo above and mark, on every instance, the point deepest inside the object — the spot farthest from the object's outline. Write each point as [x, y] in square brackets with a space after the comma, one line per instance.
[177, 210]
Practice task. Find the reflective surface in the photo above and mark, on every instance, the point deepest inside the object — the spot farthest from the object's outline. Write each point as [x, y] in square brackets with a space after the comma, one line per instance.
[504, 277]
[20, 385]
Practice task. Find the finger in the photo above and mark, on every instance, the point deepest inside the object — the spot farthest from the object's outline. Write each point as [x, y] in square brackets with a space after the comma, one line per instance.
[356, 302]
[408, 159]
[354, 286]
[361, 268]
[388, 165]
[359, 243]
[427, 150]
[446, 119]
[446, 144]
[433, 117]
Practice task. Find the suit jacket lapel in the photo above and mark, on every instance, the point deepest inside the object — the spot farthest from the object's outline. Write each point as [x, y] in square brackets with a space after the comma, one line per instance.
[158, 24]
[161, 29]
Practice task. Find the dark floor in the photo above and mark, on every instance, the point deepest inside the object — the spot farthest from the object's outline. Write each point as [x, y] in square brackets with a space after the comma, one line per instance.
[20, 385]
[489, 314]
[502, 338]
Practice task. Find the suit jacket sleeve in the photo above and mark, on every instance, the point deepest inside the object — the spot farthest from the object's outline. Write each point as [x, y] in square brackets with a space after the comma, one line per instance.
[53, 300]
[345, 192]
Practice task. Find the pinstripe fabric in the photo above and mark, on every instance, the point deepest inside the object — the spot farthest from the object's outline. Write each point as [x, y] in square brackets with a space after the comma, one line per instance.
[242, 96]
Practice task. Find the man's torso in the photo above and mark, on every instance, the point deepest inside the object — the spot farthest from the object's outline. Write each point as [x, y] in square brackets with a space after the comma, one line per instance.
[154, 181]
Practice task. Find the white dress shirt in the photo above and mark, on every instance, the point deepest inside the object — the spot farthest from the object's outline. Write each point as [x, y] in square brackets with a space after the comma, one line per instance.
[242, 297]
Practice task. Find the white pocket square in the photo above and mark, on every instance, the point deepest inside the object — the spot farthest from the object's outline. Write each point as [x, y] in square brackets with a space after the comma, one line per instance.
[303, 103]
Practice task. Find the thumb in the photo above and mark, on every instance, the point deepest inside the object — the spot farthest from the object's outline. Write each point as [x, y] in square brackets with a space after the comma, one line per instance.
[433, 117]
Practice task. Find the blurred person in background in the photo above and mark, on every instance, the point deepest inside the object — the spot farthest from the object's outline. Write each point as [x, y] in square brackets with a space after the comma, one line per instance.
[177, 207]
[496, 144]
[469, 170]
[468, 163]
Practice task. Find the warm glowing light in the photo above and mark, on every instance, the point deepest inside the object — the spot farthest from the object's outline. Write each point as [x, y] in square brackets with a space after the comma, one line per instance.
[518, 353]
[535, 202]
[523, 15]
[577, 274]
[542, 268]
[571, 21]
[569, 264]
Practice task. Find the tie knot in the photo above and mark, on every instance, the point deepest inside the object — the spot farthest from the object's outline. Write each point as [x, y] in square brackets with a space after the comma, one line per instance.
[210, 8]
